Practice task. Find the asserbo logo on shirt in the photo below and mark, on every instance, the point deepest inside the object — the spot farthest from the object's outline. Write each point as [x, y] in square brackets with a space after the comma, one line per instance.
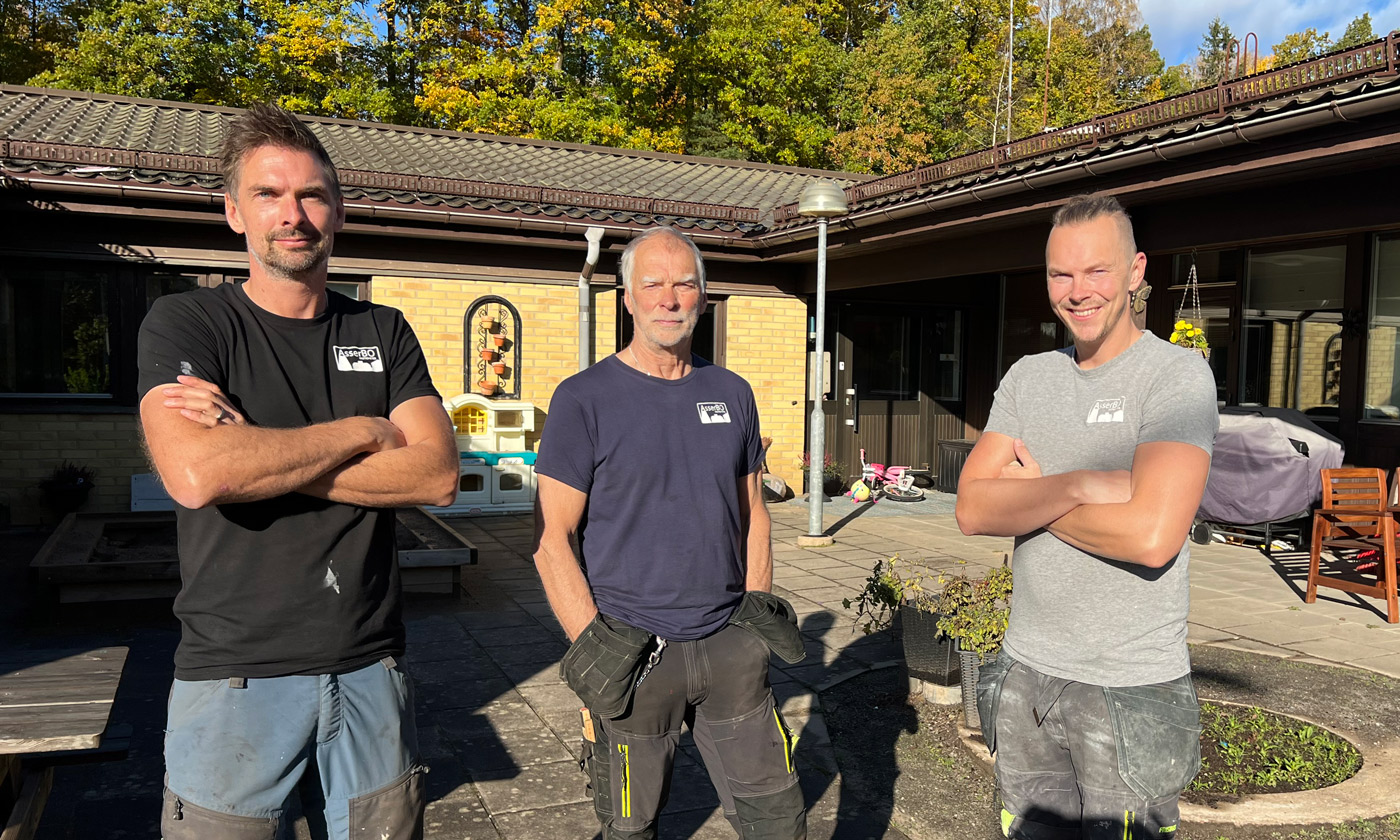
[713, 412]
[1107, 411]
[365, 359]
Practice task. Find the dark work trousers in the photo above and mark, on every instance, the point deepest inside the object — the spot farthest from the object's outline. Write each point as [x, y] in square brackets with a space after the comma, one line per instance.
[718, 686]
[1085, 762]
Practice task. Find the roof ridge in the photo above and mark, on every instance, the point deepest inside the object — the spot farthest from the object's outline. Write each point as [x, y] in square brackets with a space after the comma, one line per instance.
[439, 132]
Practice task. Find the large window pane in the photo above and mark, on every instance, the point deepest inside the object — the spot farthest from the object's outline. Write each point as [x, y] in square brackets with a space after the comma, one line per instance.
[54, 336]
[1383, 338]
[1292, 329]
[886, 357]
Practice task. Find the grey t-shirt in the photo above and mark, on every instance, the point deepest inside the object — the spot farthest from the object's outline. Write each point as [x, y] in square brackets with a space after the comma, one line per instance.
[1073, 614]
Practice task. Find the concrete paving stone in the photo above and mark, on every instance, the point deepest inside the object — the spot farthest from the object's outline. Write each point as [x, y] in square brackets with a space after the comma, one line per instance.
[543, 698]
[691, 789]
[523, 573]
[528, 598]
[567, 725]
[469, 694]
[1201, 634]
[433, 744]
[497, 716]
[473, 664]
[532, 673]
[810, 727]
[777, 677]
[816, 563]
[795, 696]
[1388, 665]
[532, 788]
[1250, 646]
[804, 583]
[433, 628]
[424, 652]
[544, 652]
[1338, 650]
[500, 754]
[1277, 633]
[449, 781]
[566, 822]
[537, 608]
[519, 635]
[700, 824]
[458, 820]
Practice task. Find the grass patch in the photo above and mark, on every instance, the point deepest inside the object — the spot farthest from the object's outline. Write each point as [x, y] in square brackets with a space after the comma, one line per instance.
[1249, 750]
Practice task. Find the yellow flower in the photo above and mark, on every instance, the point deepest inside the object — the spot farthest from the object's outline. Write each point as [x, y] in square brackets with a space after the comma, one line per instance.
[1190, 331]
[1180, 325]
[1176, 337]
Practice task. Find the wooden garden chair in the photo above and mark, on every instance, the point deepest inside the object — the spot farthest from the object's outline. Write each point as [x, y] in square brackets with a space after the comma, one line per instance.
[1355, 517]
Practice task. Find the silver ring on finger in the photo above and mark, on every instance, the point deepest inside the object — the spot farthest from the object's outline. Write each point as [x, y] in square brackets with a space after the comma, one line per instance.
[221, 415]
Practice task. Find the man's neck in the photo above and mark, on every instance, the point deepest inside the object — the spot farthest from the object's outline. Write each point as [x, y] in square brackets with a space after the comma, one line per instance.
[300, 298]
[1089, 355]
[661, 362]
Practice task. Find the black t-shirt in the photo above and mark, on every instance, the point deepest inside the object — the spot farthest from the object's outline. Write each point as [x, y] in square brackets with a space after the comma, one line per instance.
[660, 461]
[293, 584]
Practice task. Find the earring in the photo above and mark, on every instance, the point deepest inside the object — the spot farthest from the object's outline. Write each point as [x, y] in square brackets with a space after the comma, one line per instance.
[1139, 298]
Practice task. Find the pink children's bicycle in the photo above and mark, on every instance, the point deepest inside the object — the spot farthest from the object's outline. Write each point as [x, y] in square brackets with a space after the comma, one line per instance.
[893, 483]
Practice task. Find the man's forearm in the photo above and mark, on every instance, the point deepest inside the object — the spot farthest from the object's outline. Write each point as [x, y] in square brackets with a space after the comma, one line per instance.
[1011, 507]
[758, 576]
[250, 463]
[421, 474]
[1118, 532]
[565, 586]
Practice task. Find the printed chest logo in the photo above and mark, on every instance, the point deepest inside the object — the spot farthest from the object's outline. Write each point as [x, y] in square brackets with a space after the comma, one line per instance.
[1107, 411]
[365, 359]
[713, 412]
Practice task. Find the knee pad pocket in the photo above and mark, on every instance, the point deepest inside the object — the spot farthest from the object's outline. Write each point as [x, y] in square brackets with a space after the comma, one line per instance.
[780, 815]
[394, 812]
[756, 751]
[183, 820]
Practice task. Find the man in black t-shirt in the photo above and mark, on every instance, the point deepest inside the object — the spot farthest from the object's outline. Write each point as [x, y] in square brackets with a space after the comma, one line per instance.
[287, 422]
[651, 459]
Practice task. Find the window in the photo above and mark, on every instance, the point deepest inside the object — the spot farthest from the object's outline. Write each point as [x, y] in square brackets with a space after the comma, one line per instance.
[887, 356]
[1383, 336]
[1292, 329]
[55, 332]
[469, 420]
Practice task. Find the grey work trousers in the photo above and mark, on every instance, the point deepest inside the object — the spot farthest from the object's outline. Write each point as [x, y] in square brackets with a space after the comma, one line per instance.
[1085, 761]
[718, 686]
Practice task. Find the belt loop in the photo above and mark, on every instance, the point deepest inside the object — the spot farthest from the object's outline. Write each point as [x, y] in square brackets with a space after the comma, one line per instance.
[237, 682]
[389, 663]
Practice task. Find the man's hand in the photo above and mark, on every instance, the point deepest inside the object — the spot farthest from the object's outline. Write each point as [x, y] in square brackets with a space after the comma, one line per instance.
[201, 401]
[1024, 466]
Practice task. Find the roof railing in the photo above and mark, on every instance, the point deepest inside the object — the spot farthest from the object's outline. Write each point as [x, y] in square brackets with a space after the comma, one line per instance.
[1376, 58]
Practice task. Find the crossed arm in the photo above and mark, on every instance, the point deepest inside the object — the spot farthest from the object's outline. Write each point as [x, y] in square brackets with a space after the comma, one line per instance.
[206, 452]
[1140, 516]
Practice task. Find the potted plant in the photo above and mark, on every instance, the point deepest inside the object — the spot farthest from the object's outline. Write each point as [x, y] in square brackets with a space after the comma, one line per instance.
[66, 488]
[499, 339]
[486, 387]
[498, 368]
[973, 613]
[1188, 335]
[894, 596]
[833, 473]
[488, 354]
[487, 322]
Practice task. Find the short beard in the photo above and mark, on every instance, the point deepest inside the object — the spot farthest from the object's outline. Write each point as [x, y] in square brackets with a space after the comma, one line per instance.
[296, 265]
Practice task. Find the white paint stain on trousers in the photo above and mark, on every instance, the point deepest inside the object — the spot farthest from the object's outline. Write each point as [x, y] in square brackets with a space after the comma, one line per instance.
[332, 582]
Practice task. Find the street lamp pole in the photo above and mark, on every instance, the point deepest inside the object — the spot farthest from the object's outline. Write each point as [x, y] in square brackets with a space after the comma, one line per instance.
[822, 199]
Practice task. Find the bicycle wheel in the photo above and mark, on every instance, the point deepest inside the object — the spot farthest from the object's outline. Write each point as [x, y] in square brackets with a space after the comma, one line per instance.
[896, 494]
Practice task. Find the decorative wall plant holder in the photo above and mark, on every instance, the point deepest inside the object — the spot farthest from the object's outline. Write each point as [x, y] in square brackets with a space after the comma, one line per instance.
[490, 326]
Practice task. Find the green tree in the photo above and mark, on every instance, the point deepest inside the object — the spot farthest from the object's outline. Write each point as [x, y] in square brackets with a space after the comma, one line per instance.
[1301, 46]
[33, 32]
[1359, 31]
[1216, 54]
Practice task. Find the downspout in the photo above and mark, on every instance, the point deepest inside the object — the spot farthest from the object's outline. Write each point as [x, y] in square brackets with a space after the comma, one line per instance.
[594, 235]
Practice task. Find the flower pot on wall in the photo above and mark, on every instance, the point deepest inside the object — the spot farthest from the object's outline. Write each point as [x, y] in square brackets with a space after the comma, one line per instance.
[499, 339]
[930, 655]
[487, 321]
[486, 387]
[488, 354]
[499, 368]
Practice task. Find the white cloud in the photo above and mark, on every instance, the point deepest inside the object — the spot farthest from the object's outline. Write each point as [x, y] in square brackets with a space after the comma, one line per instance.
[1177, 25]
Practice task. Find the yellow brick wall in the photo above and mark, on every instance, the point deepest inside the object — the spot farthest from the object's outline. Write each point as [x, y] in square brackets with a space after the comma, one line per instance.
[765, 344]
[31, 445]
[549, 325]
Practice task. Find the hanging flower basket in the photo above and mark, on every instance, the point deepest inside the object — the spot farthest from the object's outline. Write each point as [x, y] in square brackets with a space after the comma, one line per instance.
[488, 354]
[499, 368]
[499, 339]
[486, 387]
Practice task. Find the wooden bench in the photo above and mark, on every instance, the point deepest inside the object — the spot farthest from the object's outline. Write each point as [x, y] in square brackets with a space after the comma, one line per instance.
[437, 568]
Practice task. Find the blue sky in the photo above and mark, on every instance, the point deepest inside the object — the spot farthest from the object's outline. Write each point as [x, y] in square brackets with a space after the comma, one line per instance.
[1177, 25]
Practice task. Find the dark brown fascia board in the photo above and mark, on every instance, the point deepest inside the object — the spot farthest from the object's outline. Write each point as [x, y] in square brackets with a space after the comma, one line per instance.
[438, 132]
[387, 210]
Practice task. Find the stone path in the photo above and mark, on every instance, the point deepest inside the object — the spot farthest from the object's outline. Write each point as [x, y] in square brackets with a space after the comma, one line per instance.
[501, 730]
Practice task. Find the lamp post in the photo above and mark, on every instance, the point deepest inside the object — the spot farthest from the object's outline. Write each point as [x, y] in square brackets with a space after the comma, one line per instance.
[822, 200]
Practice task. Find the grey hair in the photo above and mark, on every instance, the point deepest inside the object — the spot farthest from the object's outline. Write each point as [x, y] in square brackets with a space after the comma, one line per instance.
[629, 255]
[1088, 207]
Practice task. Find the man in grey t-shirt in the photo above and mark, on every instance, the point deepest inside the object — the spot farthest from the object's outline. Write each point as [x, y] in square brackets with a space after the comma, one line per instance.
[1095, 459]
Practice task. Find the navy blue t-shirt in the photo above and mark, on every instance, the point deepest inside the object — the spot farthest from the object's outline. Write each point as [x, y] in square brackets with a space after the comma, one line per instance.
[660, 461]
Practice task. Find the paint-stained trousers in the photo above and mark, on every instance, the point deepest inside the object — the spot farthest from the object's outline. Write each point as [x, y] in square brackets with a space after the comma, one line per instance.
[718, 686]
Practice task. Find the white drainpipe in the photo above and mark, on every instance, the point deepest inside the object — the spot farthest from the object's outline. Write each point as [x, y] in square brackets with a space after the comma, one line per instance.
[594, 235]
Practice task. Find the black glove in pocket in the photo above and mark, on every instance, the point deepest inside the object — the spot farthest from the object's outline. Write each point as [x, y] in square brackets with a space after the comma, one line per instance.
[603, 664]
[773, 620]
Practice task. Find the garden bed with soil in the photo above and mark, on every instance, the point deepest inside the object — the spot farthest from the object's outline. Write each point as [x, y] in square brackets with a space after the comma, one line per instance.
[892, 751]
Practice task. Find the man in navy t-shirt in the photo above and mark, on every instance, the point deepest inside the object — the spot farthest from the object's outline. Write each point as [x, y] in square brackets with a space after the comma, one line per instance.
[650, 460]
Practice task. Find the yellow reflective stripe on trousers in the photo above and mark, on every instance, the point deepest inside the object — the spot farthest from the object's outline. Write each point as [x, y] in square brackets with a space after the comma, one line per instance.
[1167, 829]
[1128, 824]
[1007, 818]
[626, 781]
[787, 740]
